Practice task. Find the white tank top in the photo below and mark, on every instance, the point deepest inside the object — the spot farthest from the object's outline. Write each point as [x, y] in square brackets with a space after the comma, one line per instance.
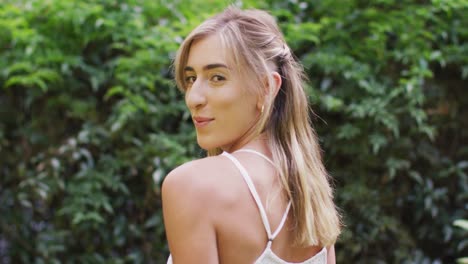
[268, 256]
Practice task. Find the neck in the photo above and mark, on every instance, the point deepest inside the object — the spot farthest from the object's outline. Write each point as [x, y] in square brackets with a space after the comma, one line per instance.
[259, 143]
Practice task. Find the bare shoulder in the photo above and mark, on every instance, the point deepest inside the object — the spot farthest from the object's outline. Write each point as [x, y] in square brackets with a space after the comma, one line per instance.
[200, 180]
[190, 197]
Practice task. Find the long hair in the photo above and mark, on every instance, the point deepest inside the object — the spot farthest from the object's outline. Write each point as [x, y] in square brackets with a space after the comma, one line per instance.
[255, 43]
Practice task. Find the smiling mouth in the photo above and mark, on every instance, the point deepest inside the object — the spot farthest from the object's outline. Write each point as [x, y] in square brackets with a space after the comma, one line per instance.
[202, 122]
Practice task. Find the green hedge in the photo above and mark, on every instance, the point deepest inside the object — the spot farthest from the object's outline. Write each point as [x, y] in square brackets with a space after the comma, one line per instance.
[91, 121]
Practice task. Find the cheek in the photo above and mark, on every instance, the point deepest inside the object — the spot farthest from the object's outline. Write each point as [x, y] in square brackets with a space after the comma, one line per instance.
[240, 112]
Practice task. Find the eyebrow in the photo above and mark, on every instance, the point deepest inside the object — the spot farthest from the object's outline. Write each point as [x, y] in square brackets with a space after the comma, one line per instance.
[208, 67]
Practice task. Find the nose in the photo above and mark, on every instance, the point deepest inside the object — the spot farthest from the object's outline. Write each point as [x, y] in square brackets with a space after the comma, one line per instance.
[195, 96]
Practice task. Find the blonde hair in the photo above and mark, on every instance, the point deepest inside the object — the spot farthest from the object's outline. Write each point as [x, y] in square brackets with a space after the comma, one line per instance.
[254, 41]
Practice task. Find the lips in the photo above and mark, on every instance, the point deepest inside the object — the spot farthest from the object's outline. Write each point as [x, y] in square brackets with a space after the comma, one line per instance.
[202, 121]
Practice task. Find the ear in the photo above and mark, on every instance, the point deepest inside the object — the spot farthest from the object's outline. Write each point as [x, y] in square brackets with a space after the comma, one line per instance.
[277, 81]
[271, 89]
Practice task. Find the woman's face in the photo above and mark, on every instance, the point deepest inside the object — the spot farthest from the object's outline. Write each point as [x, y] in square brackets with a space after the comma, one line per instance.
[222, 110]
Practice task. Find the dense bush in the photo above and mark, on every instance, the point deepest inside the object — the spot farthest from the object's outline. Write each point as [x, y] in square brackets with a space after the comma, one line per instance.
[90, 122]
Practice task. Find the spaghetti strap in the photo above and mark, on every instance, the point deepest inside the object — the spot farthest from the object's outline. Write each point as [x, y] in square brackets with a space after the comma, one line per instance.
[258, 154]
[283, 220]
[253, 191]
[256, 197]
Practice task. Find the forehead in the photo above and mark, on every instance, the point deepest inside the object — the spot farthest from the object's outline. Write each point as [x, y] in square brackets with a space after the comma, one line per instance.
[207, 50]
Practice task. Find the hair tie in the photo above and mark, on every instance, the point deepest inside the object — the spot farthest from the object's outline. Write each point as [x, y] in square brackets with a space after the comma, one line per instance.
[286, 54]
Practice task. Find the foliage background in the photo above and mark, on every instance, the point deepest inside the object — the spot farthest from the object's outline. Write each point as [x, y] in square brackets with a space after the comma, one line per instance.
[91, 121]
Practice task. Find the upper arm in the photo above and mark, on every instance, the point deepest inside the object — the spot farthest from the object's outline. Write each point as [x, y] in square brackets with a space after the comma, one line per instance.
[188, 219]
[331, 255]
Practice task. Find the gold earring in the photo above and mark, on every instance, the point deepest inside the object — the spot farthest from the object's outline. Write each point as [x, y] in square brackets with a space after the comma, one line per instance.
[263, 108]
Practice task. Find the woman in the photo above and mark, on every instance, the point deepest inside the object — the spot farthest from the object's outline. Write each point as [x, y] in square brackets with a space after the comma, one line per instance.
[262, 195]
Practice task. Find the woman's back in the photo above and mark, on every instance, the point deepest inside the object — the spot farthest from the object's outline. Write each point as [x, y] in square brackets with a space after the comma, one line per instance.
[240, 233]
[242, 229]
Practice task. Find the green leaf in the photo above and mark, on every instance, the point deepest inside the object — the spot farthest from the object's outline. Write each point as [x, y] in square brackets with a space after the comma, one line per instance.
[461, 223]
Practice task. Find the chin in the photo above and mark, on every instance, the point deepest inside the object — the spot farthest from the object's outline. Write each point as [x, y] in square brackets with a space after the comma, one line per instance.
[206, 145]
[209, 144]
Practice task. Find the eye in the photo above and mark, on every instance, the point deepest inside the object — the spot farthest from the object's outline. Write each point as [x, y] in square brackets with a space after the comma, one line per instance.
[217, 78]
[189, 80]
